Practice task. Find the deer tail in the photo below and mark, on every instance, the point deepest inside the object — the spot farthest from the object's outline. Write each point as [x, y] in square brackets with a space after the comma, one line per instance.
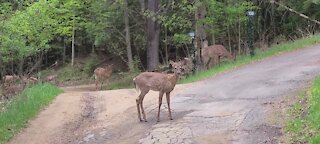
[135, 85]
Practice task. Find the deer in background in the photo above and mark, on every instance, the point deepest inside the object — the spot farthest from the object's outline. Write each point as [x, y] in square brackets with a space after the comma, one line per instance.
[52, 78]
[28, 80]
[185, 64]
[9, 79]
[102, 74]
[213, 54]
[164, 83]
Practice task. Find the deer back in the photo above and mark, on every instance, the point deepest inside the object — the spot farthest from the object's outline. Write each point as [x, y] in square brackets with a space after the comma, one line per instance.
[103, 73]
[51, 77]
[10, 78]
[155, 81]
[216, 51]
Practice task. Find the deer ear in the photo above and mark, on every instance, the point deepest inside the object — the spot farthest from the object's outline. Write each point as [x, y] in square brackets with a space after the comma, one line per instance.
[171, 62]
[184, 61]
[170, 65]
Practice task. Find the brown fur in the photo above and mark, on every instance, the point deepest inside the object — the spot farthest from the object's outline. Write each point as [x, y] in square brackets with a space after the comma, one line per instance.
[29, 80]
[52, 78]
[9, 79]
[212, 55]
[102, 74]
[185, 64]
[164, 83]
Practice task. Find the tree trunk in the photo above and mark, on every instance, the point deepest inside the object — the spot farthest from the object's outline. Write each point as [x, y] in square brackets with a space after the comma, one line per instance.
[12, 66]
[2, 88]
[166, 46]
[21, 63]
[64, 52]
[239, 36]
[37, 65]
[213, 39]
[153, 36]
[92, 49]
[127, 30]
[188, 51]
[273, 21]
[200, 34]
[229, 37]
[1, 71]
[142, 5]
[72, 46]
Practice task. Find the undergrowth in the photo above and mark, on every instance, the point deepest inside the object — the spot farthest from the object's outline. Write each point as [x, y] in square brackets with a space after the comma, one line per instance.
[304, 125]
[15, 114]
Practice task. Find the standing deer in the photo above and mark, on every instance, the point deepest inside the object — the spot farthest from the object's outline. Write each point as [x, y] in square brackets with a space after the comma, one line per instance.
[164, 83]
[185, 64]
[102, 74]
[213, 54]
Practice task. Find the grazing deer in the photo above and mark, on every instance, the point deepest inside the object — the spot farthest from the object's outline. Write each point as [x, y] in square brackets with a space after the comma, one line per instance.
[8, 79]
[164, 83]
[52, 78]
[102, 74]
[213, 54]
[28, 80]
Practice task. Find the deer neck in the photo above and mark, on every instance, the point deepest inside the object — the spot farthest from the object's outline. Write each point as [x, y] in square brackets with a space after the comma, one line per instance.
[173, 78]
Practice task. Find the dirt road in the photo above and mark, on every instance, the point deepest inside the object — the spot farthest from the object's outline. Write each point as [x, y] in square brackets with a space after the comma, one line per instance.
[230, 108]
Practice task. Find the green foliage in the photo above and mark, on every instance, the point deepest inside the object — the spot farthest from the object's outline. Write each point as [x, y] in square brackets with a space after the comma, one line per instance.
[28, 28]
[69, 73]
[313, 117]
[123, 80]
[27, 32]
[311, 7]
[181, 39]
[304, 125]
[22, 108]
[218, 13]
[90, 64]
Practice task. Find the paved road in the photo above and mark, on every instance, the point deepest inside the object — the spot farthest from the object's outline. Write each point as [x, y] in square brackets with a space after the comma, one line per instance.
[229, 108]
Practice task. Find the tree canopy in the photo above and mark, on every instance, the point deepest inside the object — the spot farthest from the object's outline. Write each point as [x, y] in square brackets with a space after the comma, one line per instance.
[151, 32]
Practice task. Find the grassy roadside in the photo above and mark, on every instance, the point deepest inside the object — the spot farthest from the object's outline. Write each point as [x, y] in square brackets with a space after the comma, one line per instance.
[304, 125]
[242, 60]
[15, 114]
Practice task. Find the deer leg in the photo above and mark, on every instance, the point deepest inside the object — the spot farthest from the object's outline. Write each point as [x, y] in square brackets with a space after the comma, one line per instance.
[138, 109]
[168, 102]
[143, 93]
[107, 83]
[208, 63]
[160, 102]
[101, 85]
[96, 85]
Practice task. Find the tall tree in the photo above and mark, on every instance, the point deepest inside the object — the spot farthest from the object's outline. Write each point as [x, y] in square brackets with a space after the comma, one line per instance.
[153, 35]
[127, 29]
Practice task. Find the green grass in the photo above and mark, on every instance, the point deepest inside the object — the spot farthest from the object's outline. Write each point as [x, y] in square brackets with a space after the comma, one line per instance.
[122, 80]
[69, 73]
[14, 115]
[242, 60]
[304, 126]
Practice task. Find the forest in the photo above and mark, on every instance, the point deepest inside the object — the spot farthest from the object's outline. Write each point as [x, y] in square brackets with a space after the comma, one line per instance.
[141, 34]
